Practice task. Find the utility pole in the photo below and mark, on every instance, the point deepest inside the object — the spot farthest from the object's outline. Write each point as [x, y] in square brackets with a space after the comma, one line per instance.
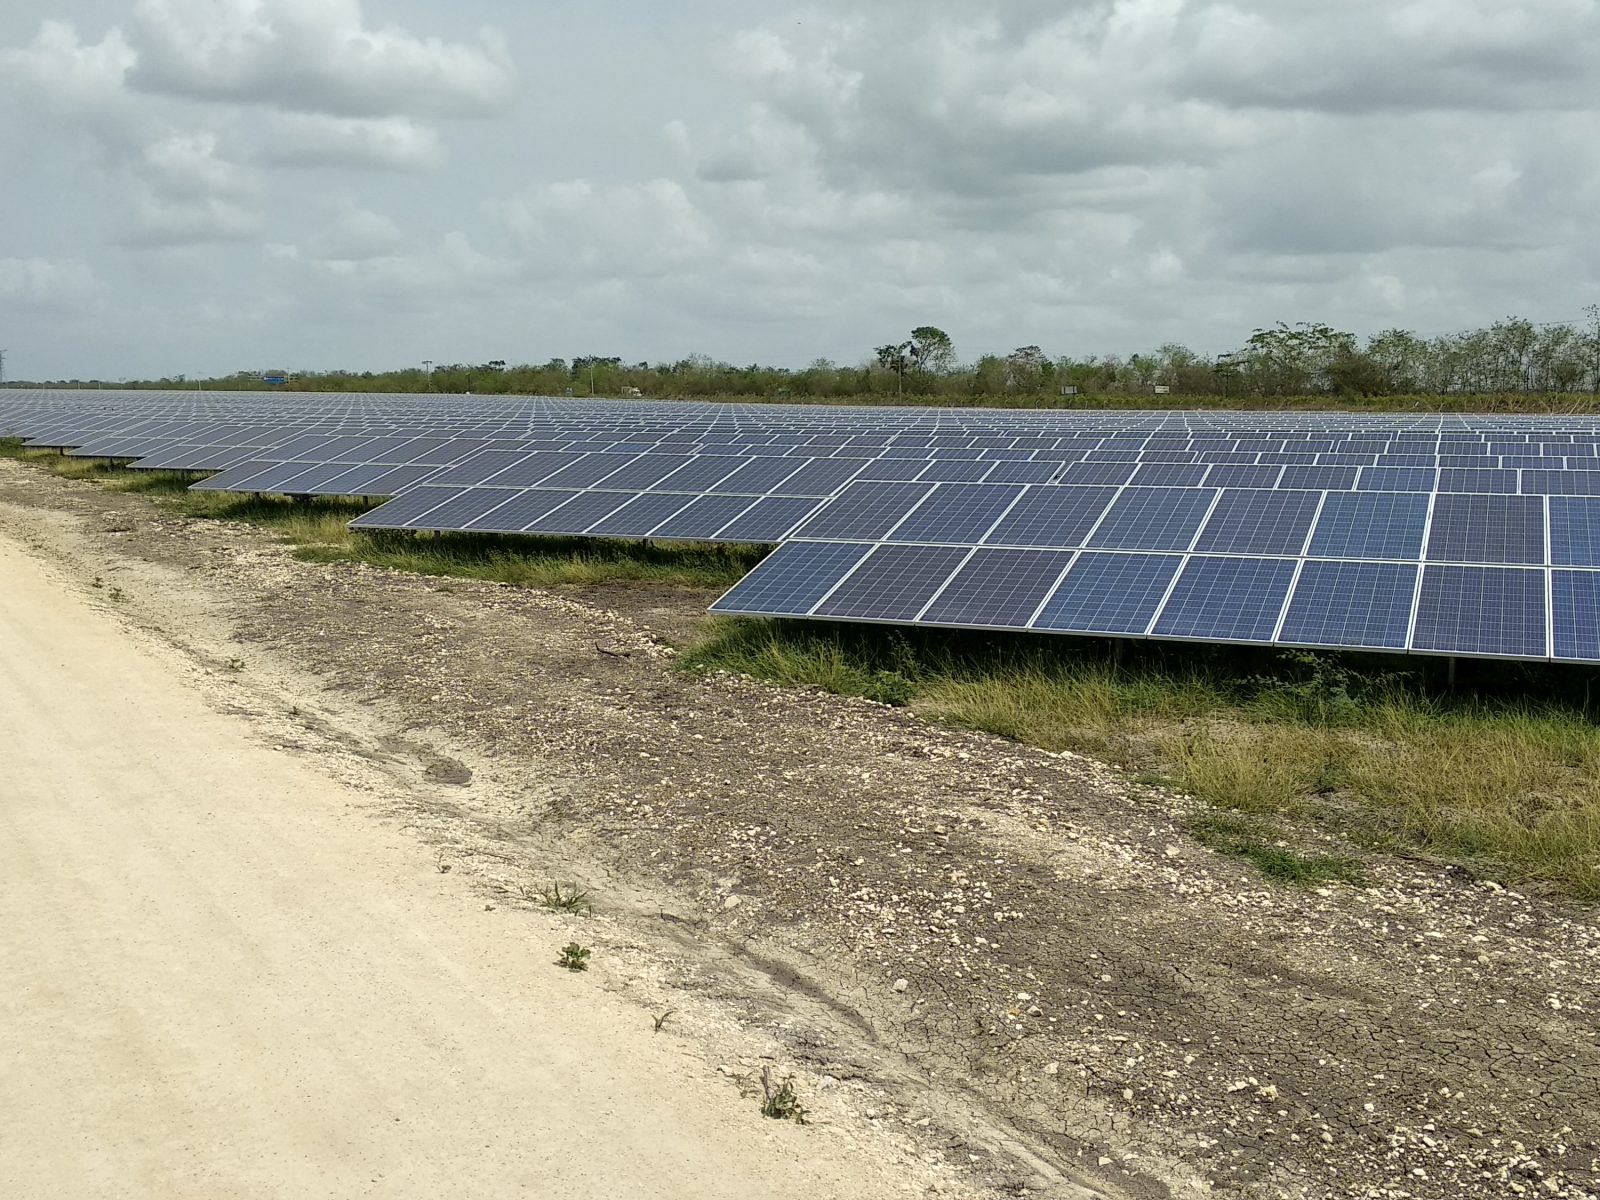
[428, 365]
[2, 366]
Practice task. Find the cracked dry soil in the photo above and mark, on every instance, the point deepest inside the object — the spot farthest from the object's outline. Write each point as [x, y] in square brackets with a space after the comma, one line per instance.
[1017, 959]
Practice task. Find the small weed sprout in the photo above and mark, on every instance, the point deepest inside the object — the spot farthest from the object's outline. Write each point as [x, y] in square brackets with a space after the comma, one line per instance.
[781, 1103]
[574, 957]
[662, 1019]
[571, 901]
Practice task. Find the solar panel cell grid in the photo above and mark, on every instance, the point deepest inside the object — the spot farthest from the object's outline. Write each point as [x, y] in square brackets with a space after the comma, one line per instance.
[998, 589]
[1153, 519]
[893, 584]
[1227, 599]
[1109, 593]
[1483, 611]
[1361, 604]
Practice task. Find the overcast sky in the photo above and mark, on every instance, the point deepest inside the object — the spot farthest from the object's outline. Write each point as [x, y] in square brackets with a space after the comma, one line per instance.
[207, 185]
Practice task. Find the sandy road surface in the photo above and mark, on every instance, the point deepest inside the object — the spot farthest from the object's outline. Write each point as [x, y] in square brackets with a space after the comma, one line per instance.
[218, 978]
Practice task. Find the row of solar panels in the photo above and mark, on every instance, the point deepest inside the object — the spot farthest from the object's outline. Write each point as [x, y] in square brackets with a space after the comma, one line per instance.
[1448, 535]
[1490, 612]
[193, 404]
[1388, 526]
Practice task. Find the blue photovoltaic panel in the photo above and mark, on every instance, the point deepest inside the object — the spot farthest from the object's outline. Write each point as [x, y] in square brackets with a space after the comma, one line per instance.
[1329, 479]
[1153, 519]
[576, 515]
[1477, 479]
[1097, 472]
[1023, 472]
[1109, 593]
[957, 514]
[821, 477]
[956, 471]
[1259, 522]
[901, 469]
[893, 584]
[1052, 517]
[530, 469]
[1242, 475]
[1397, 479]
[999, 589]
[1574, 532]
[701, 474]
[1170, 474]
[769, 519]
[587, 471]
[1370, 525]
[464, 507]
[791, 579]
[1365, 604]
[1487, 529]
[1227, 599]
[402, 511]
[362, 481]
[1575, 615]
[645, 471]
[1371, 473]
[639, 516]
[703, 519]
[519, 512]
[1486, 611]
[1561, 483]
[865, 511]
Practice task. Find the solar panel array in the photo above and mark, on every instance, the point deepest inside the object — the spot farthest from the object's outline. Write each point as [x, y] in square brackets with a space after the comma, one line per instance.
[1468, 535]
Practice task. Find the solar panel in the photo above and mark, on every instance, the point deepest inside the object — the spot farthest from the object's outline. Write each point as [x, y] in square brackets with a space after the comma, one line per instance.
[1575, 615]
[1259, 522]
[1227, 599]
[1487, 611]
[1153, 519]
[1487, 529]
[1109, 593]
[1356, 604]
[998, 589]
[893, 583]
[1422, 532]
[793, 579]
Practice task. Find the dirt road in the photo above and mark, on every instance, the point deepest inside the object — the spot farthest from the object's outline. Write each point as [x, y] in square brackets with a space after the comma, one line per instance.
[985, 966]
[219, 977]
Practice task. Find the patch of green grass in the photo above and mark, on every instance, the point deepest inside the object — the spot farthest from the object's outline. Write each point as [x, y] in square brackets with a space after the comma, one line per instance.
[798, 656]
[10, 447]
[1502, 776]
[1260, 845]
[574, 957]
[572, 900]
[781, 1102]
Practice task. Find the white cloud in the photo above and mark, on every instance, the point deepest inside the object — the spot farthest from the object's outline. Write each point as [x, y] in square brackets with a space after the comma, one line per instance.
[41, 283]
[314, 56]
[164, 221]
[70, 80]
[187, 164]
[634, 229]
[383, 143]
[357, 234]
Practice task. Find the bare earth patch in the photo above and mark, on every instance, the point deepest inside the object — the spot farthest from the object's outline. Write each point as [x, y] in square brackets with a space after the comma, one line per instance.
[1020, 959]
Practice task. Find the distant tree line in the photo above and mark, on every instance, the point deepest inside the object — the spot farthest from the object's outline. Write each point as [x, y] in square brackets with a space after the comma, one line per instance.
[1313, 361]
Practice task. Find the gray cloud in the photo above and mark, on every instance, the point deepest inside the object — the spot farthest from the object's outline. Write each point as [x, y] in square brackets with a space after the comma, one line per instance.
[314, 56]
[1088, 175]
